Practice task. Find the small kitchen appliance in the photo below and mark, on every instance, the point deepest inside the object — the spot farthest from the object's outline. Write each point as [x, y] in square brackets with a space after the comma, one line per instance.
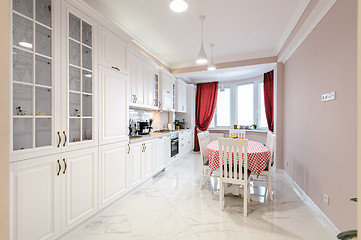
[143, 128]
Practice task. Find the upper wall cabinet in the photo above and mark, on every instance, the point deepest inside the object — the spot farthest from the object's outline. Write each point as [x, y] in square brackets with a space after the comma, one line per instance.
[181, 96]
[168, 91]
[113, 51]
[80, 69]
[35, 85]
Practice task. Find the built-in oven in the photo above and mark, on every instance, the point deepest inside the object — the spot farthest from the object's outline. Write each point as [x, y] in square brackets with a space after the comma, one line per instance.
[174, 144]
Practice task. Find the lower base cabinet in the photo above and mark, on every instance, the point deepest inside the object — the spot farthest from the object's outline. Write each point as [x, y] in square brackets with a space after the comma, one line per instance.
[113, 174]
[50, 195]
[35, 198]
[141, 158]
[159, 154]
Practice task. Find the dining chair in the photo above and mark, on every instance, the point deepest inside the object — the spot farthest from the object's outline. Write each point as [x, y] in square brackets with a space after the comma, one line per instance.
[233, 172]
[203, 142]
[267, 173]
[238, 132]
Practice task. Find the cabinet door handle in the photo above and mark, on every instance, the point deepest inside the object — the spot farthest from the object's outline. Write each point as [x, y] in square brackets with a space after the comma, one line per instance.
[59, 138]
[116, 68]
[59, 169]
[128, 148]
[136, 99]
[64, 139]
[64, 165]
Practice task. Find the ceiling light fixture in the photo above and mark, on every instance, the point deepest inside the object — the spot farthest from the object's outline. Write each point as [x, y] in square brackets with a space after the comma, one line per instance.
[178, 5]
[211, 65]
[222, 86]
[202, 57]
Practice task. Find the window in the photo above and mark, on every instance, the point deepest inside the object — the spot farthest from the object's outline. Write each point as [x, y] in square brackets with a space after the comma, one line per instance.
[245, 104]
[240, 104]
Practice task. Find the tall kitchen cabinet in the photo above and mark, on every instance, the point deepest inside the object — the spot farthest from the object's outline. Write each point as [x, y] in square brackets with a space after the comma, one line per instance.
[54, 137]
[181, 96]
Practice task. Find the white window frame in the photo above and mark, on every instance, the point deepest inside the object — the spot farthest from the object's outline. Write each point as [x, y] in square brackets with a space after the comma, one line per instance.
[234, 104]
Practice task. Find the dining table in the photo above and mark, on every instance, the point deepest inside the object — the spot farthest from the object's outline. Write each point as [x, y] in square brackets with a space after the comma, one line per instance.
[257, 154]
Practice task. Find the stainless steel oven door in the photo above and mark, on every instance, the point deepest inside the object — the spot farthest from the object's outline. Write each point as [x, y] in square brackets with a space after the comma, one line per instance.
[174, 146]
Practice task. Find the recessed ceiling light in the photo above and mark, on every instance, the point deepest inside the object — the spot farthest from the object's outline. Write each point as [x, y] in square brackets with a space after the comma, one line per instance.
[178, 5]
[26, 44]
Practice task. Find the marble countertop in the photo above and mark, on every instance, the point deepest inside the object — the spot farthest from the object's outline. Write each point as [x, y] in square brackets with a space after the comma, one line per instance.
[152, 135]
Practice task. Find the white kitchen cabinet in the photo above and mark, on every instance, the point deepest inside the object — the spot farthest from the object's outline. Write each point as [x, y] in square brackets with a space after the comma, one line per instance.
[159, 155]
[167, 150]
[137, 79]
[181, 96]
[113, 174]
[35, 84]
[80, 89]
[147, 159]
[79, 186]
[59, 191]
[168, 88]
[113, 51]
[113, 106]
[149, 71]
[185, 142]
[136, 150]
[35, 198]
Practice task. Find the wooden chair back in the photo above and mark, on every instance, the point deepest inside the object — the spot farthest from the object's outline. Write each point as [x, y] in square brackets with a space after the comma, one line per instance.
[235, 149]
[238, 132]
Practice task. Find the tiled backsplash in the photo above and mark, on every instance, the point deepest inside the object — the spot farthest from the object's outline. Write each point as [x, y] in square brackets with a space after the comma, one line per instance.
[160, 119]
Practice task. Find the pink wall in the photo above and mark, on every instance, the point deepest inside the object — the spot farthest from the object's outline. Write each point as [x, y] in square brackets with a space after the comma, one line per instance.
[320, 138]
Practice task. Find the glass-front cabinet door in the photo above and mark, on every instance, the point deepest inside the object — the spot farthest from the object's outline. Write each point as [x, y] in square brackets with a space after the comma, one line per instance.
[80, 109]
[32, 85]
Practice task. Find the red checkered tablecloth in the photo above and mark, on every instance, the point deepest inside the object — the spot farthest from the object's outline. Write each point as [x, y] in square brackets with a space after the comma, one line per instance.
[257, 155]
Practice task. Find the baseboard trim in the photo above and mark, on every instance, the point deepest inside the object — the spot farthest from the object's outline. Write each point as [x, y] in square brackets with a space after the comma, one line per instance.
[316, 210]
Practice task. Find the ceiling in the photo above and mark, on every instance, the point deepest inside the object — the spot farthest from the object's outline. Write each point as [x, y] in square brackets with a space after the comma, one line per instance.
[239, 29]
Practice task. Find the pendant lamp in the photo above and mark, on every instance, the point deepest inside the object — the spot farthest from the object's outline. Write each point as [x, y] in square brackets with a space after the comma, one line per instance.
[202, 57]
[211, 65]
[178, 5]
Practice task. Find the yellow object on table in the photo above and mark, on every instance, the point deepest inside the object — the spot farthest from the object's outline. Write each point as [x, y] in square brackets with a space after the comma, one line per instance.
[235, 137]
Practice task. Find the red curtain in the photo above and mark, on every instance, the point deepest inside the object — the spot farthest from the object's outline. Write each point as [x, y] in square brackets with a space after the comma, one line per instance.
[206, 102]
[268, 98]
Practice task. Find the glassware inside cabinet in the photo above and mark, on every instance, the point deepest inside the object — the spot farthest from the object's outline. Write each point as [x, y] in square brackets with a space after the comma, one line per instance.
[22, 100]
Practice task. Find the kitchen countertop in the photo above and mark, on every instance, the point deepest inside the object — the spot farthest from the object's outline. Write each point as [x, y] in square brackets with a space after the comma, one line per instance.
[152, 135]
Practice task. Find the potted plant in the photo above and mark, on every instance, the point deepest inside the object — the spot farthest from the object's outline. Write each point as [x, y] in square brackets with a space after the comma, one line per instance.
[178, 124]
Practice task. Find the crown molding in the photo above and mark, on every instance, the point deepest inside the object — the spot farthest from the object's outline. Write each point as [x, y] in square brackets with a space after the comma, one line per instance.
[313, 14]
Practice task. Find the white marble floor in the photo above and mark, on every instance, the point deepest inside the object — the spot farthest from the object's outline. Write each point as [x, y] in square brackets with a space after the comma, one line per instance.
[172, 206]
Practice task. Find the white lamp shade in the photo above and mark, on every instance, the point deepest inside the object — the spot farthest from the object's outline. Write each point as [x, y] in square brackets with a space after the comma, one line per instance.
[202, 57]
[211, 65]
[178, 5]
